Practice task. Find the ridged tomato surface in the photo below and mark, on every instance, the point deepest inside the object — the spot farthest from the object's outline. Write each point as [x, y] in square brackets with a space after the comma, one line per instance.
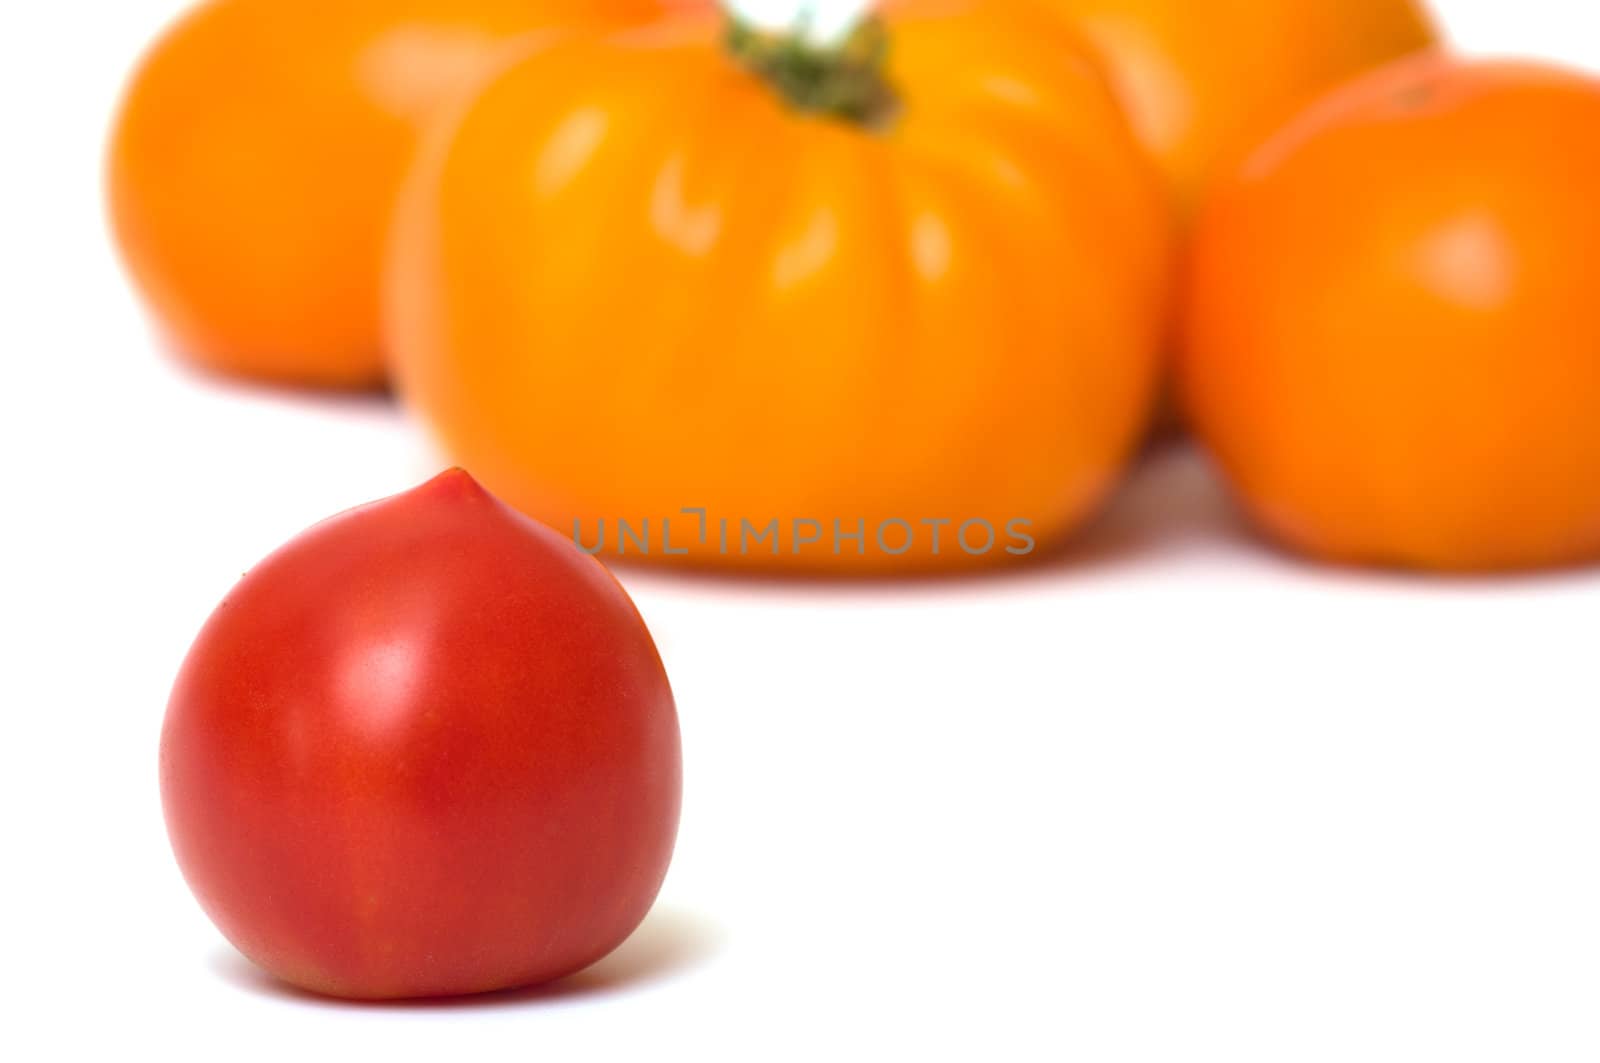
[632, 280]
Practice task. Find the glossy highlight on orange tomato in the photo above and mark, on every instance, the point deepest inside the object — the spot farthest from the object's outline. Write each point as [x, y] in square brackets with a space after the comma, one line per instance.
[425, 749]
[254, 165]
[633, 278]
[1392, 340]
[1203, 78]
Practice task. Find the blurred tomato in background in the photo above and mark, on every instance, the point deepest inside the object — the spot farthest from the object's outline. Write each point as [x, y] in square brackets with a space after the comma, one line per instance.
[254, 166]
[664, 256]
[1392, 331]
[1200, 78]
[924, 276]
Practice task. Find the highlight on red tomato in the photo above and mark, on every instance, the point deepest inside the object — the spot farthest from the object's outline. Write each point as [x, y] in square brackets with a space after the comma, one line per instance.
[913, 274]
[256, 158]
[427, 748]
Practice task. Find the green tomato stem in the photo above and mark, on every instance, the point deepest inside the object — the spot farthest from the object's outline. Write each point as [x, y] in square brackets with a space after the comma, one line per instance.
[846, 79]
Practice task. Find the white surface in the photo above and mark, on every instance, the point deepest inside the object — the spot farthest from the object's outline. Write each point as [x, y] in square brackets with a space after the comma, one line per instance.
[822, 21]
[1175, 799]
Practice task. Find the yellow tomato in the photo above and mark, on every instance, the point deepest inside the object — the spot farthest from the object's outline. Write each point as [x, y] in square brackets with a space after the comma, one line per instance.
[641, 275]
[1392, 342]
[1202, 78]
[256, 159]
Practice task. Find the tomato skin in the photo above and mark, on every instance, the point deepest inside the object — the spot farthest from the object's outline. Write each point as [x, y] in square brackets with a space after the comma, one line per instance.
[255, 161]
[427, 748]
[630, 280]
[1203, 80]
[1392, 343]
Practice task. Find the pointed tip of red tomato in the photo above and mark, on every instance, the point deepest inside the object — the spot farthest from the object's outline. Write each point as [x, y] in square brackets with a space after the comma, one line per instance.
[455, 483]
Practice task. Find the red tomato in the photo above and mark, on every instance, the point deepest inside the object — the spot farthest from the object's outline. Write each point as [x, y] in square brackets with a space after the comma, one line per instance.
[427, 748]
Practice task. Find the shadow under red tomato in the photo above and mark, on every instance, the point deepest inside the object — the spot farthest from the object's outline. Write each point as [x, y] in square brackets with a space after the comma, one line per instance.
[669, 943]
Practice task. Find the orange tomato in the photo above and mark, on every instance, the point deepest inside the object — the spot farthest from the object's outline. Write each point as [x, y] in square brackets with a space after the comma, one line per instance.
[255, 161]
[1200, 76]
[631, 280]
[1392, 336]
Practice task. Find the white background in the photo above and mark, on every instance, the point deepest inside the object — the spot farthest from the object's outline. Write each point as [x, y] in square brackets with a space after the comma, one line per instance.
[1173, 798]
